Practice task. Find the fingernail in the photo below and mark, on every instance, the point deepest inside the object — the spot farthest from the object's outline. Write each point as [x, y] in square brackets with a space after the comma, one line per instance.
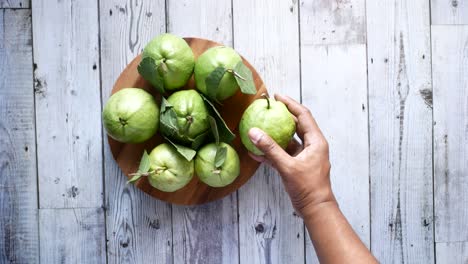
[255, 134]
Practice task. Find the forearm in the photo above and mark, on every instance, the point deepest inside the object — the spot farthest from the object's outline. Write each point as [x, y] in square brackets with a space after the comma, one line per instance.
[333, 238]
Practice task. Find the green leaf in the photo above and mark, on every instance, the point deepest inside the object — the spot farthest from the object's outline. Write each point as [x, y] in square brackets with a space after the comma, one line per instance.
[214, 129]
[220, 156]
[244, 78]
[186, 152]
[225, 134]
[149, 70]
[144, 163]
[135, 178]
[198, 141]
[212, 81]
[168, 119]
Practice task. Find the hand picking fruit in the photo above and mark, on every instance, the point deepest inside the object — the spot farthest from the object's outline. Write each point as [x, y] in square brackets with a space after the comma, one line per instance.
[305, 173]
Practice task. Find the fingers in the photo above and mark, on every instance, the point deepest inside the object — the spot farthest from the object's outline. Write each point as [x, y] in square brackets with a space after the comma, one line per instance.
[306, 124]
[256, 157]
[272, 151]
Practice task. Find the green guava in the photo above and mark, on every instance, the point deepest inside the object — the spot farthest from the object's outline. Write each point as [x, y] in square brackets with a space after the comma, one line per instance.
[174, 56]
[212, 175]
[131, 115]
[169, 171]
[192, 115]
[211, 59]
[272, 117]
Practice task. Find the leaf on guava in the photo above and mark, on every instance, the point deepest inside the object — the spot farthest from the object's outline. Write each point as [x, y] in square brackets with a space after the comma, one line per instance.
[244, 78]
[149, 70]
[198, 141]
[220, 156]
[225, 134]
[135, 178]
[212, 81]
[214, 129]
[144, 163]
[186, 152]
[168, 119]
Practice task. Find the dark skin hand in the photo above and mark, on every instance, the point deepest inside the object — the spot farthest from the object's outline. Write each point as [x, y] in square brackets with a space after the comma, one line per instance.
[305, 171]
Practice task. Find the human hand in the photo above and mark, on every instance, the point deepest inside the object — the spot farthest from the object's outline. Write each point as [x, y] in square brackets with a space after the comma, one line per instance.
[304, 169]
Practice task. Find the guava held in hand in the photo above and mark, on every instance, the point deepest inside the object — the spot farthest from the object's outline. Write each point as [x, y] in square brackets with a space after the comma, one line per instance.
[167, 62]
[168, 170]
[272, 117]
[185, 117]
[131, 115]
[217, 165]
[219, 72]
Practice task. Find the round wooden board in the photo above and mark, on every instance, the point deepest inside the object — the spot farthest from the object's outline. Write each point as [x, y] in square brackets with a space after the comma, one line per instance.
[196, 192]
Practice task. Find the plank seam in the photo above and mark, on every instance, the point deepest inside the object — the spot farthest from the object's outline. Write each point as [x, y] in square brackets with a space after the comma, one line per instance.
[451, 242]
[35, 136]
[432, 141]
[368, 130]
[304, 230]
[104, 207]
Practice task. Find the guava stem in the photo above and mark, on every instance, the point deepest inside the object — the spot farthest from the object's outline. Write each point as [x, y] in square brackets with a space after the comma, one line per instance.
[163, 66]
[143, 174]
[236, 74]
[217, 171]
[158, 170]
[268, 100]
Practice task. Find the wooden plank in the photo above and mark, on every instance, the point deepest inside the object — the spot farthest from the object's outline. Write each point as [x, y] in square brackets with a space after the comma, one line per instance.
[333, 22]
[450, 80]
[19, 241]
[449, 12]
[400, 118]
[453, 252]
[207, 233]
[138, 226]
[335, 89]
[72, 235]
[14, 4]
[343, 25]
[269, 232]
[68, 114]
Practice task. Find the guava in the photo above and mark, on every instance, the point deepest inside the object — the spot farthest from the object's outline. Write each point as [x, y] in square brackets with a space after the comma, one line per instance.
[220, 56]
[174, 59]
[272, 117]
[192, 116]
[169, 171]
[212, 175]
[131, 115]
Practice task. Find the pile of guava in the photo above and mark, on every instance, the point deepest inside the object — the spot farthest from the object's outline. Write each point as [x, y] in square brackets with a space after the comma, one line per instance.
[197, 139]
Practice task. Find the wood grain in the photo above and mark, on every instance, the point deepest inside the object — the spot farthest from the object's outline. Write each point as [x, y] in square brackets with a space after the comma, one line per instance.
[449, 12]
[195, 192]
[269, 232]
[139, 228]
[400, 117]
[19, 241]
[450, 80]
[72, 235]
[325, 22]
[453, 252]
[195, 239]
[14, 4]
[67, 96]
[340, 107]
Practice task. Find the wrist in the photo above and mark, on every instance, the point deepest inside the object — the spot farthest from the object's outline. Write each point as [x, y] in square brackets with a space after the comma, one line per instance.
[316, 200]
[321, 209]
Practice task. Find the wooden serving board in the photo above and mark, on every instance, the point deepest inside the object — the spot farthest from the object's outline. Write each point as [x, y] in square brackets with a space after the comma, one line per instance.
[196, 192]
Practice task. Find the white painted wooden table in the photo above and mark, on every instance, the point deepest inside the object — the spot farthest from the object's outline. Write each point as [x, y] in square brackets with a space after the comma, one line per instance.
[387, 81]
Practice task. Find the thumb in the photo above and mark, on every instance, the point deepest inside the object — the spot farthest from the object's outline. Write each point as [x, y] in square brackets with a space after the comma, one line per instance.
[272, 151]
